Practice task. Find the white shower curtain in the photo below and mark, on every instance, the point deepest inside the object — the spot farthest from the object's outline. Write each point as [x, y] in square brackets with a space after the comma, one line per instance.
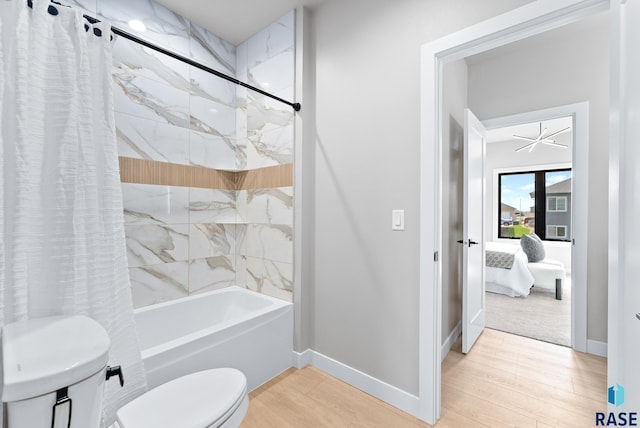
[62, 243]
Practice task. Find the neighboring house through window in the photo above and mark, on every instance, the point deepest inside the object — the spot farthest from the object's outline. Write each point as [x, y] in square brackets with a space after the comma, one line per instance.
[558, 207]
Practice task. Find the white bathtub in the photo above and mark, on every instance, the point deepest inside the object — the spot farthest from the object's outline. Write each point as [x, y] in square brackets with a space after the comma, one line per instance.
[231, 327]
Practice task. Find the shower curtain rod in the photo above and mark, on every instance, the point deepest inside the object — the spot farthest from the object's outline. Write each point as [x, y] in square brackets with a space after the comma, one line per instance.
[129, 36]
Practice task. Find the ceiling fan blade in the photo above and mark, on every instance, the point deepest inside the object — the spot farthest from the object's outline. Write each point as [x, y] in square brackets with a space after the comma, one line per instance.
[559, 132]
[525, 146]
[544, 131]
[524, 138]
[533, 142]
[564, 146]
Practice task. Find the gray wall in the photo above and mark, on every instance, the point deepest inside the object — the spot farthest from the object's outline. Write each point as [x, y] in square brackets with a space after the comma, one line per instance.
[304, 183]
[574, 69]
[365, 278]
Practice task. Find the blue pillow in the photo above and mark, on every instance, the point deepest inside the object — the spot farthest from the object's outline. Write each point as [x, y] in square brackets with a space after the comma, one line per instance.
[532, 247]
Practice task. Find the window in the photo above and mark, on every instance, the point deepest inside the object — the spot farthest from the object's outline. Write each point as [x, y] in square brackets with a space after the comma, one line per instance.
[558, 232]
[557, 204]
[535, 202]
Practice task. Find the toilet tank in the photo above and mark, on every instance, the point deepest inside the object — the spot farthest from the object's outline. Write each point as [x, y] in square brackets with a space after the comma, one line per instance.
[54, 372]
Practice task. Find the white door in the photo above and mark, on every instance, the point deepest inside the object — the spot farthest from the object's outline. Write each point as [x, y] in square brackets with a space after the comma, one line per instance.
[473, 315]
[624, 234]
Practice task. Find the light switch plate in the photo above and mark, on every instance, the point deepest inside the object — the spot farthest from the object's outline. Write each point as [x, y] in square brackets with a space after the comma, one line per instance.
[397, 219]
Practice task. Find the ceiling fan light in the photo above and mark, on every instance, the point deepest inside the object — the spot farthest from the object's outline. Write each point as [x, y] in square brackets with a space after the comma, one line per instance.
[541, 139]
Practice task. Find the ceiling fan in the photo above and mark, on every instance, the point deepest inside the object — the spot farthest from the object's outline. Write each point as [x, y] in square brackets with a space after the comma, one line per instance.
[541, 139]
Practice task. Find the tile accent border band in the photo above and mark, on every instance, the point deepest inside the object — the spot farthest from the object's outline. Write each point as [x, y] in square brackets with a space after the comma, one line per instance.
[142, 171]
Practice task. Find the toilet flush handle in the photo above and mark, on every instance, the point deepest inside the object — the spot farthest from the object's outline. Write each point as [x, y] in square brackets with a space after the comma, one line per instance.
[115, 371]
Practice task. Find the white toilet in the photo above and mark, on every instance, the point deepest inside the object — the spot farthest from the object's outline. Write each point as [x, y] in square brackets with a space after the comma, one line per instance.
[54, 374]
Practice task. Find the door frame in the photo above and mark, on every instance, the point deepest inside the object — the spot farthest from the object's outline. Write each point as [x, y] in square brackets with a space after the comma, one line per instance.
[526, 21]
[623, 328]
[579, 204]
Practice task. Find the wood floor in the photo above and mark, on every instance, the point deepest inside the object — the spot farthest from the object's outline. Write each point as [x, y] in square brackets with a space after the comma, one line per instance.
[506, 380]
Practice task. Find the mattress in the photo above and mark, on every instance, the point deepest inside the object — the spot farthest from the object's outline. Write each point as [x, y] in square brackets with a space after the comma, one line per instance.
[513, 282]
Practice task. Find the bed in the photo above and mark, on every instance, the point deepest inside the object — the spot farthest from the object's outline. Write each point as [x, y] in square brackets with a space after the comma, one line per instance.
[506, 270]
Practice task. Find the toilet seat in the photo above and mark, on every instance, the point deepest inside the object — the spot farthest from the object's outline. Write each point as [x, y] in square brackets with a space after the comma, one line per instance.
[206, 399]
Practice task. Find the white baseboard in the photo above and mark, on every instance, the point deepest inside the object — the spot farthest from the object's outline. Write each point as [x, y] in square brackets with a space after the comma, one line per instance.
[596, 348]
[364, 382]
[302, 359]
[451, 339]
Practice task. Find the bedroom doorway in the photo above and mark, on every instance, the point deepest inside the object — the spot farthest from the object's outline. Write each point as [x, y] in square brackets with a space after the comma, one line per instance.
[560, 169]
[435, 55]
[529, 168]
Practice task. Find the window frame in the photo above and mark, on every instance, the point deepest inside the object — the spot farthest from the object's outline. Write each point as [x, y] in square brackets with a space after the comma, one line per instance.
[540, 204]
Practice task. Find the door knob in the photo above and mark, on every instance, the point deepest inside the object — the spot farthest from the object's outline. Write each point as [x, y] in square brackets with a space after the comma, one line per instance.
[472, 242]
[460, 241]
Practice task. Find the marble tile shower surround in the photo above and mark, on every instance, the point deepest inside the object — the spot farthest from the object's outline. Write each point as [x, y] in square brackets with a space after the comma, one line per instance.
[266, 61]
[184, 240]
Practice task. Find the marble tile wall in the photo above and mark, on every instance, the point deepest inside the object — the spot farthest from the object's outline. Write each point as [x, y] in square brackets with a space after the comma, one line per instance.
[186, 240]
[266, 252]
[265, 135]
[266, 61]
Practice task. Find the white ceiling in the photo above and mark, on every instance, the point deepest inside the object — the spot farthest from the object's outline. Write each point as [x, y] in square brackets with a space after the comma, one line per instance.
[235, 20]
[532, 130]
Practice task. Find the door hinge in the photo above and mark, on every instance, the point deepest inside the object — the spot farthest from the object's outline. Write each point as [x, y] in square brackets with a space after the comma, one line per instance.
[435, 256]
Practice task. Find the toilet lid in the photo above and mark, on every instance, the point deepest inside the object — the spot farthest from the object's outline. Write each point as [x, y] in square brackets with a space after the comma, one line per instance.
[42, 355]
[197, 400]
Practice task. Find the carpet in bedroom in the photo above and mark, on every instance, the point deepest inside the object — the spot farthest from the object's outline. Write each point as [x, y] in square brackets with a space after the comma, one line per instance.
[539, 315]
